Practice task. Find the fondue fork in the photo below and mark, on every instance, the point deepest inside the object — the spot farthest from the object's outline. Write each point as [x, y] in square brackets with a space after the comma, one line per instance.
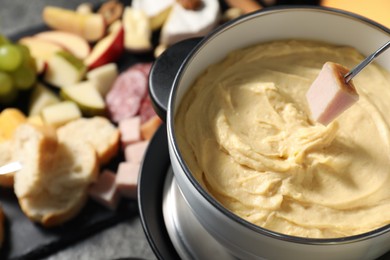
[352, 73]
[332, 93]
[10, 167]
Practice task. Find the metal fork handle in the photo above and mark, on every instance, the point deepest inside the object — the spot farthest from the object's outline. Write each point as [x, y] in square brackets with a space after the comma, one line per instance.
[352, 73]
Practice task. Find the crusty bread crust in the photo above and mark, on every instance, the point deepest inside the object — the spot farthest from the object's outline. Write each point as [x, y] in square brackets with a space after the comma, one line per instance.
[98, 131]
[52, 189]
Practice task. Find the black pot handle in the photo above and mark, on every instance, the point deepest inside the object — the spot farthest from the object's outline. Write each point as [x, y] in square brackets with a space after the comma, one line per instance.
[163, 73]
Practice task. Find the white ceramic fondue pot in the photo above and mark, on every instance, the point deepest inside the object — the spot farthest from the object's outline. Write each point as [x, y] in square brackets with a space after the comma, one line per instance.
[176, 70]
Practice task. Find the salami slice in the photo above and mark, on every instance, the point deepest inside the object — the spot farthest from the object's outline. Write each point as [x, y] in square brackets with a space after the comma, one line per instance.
[129, 89]
[146, 110]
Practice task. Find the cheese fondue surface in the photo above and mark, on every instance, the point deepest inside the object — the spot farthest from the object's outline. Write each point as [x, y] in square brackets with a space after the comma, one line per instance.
[245, 132]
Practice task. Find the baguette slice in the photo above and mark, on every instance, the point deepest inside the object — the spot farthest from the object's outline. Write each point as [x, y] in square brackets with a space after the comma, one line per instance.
[52, 185]
[44, 140]
[34, 147]
[98, 131]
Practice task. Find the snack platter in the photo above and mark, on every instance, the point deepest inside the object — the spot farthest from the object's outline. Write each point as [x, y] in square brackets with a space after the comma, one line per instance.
[31, 241]
[25, 239]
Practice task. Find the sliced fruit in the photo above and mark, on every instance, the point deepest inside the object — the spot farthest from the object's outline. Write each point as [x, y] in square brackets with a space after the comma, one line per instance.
[39, 48]
[157, 11]
[40, 98]
[40, 66]
[103, 77]
[27, 58]
[3, 39]
[90, 26]
[61, 113]
[10, 57]
[108, 49]
[24, 77]
[6, 84]
[36, 120]
[138, 32]
[8, 93]
[71, 42]
[86, 96]
[64, 69]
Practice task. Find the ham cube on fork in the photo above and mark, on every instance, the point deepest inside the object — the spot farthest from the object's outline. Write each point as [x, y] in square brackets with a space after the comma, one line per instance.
[330, 94]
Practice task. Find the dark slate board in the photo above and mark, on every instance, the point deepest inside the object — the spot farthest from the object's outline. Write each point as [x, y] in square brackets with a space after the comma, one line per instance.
[26, 240]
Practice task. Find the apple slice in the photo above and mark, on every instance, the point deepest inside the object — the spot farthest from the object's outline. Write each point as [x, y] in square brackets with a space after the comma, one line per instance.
[109, 49]
[157, 11]
[103, 77]
[71, 42]
[61, 113]
[40, 48]
[86, 96]
[40, 98]
[41, 66]
[36, 120]
[64, 69]
[138, 32]
[90, 26]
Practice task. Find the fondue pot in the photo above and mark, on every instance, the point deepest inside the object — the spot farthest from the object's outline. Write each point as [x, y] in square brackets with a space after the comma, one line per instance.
[178, 67]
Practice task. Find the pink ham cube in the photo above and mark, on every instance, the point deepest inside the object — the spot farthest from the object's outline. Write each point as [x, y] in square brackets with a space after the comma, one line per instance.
[130, 129]
[135, 152]
[127, 179]
[105, 190]
[330, 94]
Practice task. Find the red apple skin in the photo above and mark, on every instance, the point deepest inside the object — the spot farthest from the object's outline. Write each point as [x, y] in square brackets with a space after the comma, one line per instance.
[41, 67]
[110, 53]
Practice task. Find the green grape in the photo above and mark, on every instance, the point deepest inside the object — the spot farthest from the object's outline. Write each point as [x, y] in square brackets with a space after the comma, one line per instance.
[24, 77]
[8, 93]
[27, 59]
[24, 51]
[3, 40]
[10, 57]
[5, 83]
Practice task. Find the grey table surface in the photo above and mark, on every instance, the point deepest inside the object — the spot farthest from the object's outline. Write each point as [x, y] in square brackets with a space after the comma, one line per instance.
[126, 239]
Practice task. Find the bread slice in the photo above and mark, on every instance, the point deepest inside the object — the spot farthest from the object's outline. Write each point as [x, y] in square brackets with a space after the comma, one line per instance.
[35, 148]
[52, 185]
[45, 140]
[98, 131]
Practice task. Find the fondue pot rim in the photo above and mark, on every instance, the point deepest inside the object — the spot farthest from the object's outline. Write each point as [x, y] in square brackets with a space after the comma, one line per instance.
[186, 170]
